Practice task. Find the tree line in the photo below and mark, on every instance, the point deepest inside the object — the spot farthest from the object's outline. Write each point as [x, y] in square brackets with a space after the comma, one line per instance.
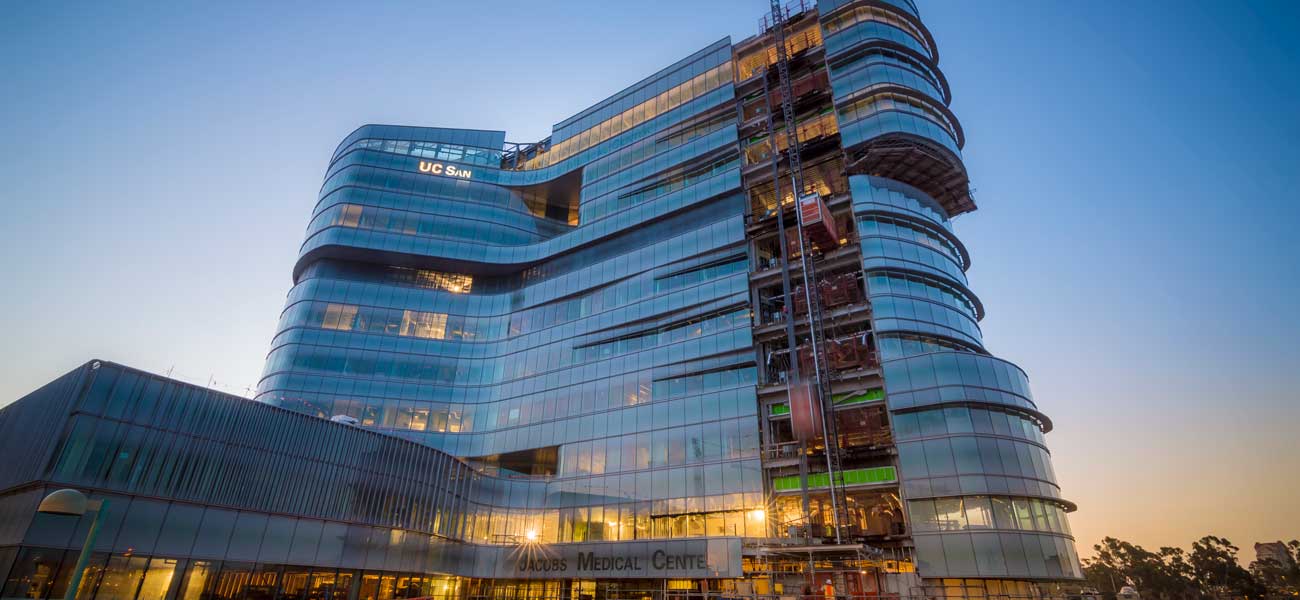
[1210, 570]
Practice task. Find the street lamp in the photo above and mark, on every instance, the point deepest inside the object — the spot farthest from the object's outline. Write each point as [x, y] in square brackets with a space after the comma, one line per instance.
[74, 503]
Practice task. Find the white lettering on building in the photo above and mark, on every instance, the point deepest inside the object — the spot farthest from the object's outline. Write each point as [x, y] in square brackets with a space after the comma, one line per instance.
[434, 168]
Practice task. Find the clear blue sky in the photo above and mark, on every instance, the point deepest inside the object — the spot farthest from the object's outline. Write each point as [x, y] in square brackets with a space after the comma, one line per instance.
[1135, 165]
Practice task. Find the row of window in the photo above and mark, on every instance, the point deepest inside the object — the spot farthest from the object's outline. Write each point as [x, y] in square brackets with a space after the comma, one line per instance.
[42, 573]
[966, 485]
[642, 150]
[628, 392]
[890, 123]
[690, 152]
[885, 65]
[330, 358]
[695, 443]
[898, 345]
[630, 98]
[892, 253]
[860, 14]
[906, 284]
[633, 116]
[406, 277]
[668, 334]
[659, 243]
[583, 389]
[879, 76]
[955, 369]
[962, 419]
[499, 228]
[730, 485]
[988, 554]
[987, 512]
[872, 192]
[892, 312]
[699, 231]
[854, 31]
[451, 431]
[662, 240]
[525, 310]
[903, 230]
[393, 228]
[663, 185]
[609, 523]
[435, 150]
[477, 138]
[675, 518]
[393, 321]
[971, 455]
[685, 112]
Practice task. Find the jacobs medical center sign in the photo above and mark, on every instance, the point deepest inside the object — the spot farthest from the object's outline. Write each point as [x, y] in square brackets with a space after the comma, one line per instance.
[713, 558]
[592, 562]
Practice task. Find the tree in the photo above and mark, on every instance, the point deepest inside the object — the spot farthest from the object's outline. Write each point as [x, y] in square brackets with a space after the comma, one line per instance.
[1165, 575]
[1215, 568]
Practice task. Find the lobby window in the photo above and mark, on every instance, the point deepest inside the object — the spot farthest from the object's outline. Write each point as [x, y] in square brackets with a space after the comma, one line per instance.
[158, 579]
[33, 573]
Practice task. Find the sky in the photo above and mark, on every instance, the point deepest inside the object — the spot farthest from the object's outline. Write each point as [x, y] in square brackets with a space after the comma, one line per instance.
[1135, 165]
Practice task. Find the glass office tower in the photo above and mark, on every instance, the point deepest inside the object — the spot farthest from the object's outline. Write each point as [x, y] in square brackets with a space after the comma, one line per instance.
[596, 344]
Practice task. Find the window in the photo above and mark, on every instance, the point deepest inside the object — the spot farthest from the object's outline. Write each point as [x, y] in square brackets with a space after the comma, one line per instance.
[199, 577]
[33, 573]
[121, 578]
[339, 316]
[423, 324]
[157, 578]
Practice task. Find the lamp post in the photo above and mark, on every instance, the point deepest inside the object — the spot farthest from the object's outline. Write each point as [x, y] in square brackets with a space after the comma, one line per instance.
[74, 503]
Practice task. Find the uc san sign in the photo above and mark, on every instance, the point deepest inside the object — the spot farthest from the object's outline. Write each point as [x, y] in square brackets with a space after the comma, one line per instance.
[435, 168]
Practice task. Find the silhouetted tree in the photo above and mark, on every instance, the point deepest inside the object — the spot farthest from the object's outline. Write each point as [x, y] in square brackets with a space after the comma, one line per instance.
[1164, 575]
[1214, 565]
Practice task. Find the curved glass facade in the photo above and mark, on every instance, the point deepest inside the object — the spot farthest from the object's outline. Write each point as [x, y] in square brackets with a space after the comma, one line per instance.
[968, 430]
[594, 339]
[613, 363]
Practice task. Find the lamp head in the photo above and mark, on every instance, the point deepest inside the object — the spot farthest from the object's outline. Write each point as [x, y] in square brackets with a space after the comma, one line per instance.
[64, 502]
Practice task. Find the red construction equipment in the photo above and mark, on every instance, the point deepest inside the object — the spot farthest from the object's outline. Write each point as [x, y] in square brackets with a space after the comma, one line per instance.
[818, 222]
[839, 290]
[805, 411]
[836, 290]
